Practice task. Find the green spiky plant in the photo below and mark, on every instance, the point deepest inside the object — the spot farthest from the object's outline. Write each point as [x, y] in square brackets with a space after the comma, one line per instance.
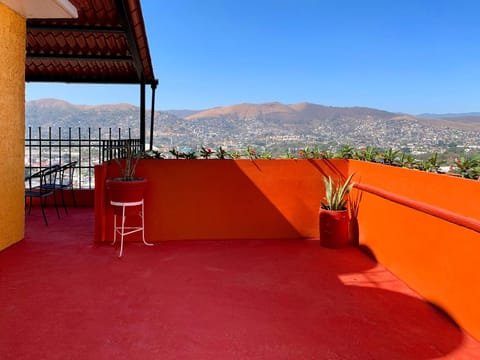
[128, 162]
[468, 168]
[407, 161]
[336, 193]
[346, 152]
[223, 154]
[390, 156]
[206, 152]
[367, 154]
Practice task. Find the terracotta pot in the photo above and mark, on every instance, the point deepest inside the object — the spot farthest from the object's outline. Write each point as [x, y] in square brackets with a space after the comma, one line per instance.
[121, 190]
[334, 228]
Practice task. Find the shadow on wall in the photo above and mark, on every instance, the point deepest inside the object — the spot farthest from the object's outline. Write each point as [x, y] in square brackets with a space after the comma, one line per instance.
[224, 199]
[215, 200]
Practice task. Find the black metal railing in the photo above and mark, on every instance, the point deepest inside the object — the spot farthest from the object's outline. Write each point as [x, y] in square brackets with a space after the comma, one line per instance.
[117, 149]
[89, 147]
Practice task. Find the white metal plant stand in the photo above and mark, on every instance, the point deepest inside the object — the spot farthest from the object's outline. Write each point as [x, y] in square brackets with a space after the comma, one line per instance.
[127, 230]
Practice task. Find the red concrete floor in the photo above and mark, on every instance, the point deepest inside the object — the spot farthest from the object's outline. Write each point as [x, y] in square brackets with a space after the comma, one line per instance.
[64, 297]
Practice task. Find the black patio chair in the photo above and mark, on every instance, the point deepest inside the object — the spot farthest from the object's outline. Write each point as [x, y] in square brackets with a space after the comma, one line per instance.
[64, 181]
[35, 187]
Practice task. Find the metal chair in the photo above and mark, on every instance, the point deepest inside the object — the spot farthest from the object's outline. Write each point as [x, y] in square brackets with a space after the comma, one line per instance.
[36, 188]
[64, 181]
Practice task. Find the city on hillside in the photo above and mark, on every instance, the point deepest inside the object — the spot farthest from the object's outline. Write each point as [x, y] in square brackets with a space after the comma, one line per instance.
[57, 132]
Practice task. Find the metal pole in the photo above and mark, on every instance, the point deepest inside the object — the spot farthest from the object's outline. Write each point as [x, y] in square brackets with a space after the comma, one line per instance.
[142, 116]
[152, 117]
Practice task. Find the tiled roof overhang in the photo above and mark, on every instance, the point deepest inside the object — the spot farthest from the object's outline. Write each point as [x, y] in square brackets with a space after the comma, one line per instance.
[107, 44]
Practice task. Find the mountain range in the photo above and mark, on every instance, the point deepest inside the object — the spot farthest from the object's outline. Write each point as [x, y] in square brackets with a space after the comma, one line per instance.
[55, 112]
[296, 113]
[268, 123]
[305, 112]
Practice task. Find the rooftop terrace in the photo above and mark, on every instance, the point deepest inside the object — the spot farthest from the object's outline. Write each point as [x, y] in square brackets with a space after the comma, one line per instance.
[66, 297]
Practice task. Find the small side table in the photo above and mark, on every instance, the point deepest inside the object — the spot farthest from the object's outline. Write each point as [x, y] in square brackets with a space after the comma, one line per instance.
[127, 230]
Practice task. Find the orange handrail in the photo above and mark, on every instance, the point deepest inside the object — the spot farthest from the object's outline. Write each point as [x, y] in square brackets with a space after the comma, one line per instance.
[428, 209]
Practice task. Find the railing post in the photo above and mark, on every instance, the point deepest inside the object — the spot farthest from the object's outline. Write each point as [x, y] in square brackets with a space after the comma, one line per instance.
[40, 146]
[37, 147]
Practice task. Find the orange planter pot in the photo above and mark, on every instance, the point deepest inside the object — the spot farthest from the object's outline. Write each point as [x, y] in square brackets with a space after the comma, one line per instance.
[334, 226]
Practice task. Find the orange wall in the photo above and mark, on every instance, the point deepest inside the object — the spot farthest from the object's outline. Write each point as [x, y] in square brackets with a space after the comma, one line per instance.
[12, 125]
[438, 259]
[224, 199]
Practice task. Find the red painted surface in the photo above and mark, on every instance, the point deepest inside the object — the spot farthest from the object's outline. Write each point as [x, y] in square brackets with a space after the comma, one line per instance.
[333, 228]
[125, 191]
[437, 258]
[224, 199]
[83, 197]
[280, 199]
[65, 297]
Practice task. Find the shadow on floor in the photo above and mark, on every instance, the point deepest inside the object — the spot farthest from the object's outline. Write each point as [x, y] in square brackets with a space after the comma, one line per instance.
[65, 297]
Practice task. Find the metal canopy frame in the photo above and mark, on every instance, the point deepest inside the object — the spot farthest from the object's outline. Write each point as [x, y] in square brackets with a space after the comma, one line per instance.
[106, 44]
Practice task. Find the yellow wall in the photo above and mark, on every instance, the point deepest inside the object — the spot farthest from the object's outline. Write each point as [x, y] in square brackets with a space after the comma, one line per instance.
[12, 124]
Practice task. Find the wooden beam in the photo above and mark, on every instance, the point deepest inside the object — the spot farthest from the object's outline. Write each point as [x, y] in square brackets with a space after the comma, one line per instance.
[104, 58]
[75, 28]
[131, 39]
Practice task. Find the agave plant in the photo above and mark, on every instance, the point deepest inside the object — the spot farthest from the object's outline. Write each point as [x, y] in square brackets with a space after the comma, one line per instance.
[336, 193]
[189, 154]
[467, 167]
[206, 152]
[175, 152]
[266, 156]
[305, 153]
[435, 163]
[130, 157]
[407, 161]
[288, 155]
[367, 154]
[251, 153]
[346, 152]
[390, 156]
[222, 153]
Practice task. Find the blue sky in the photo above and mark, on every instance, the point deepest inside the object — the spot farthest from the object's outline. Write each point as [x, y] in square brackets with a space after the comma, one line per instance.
[410, 56]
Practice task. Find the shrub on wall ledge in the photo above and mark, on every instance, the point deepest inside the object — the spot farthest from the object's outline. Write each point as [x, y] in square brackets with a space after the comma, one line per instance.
[464, 166]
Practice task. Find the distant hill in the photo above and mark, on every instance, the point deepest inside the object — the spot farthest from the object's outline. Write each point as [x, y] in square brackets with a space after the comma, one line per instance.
[182, 113]
[270, 125]
[297, 113]
[308, 114]
[450, 115]
[58, 113]
[466, 118]
[55, 113]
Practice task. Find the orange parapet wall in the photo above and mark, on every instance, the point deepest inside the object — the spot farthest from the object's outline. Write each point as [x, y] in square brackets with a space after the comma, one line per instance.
[435, 256]
[224, 199]
[265, 199]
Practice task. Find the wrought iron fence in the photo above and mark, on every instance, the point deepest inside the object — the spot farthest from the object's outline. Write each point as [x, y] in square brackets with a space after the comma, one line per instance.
[89, 147]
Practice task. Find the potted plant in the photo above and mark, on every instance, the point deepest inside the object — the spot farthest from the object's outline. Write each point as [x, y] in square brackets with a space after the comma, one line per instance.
[127, 187]
[333, 214]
